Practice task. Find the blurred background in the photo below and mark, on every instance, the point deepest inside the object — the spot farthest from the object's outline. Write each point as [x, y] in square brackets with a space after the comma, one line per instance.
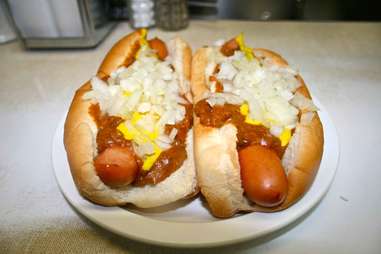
[348, 10]
[84, 23]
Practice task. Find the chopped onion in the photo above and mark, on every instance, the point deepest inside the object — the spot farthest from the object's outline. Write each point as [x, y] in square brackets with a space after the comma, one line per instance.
[143, 149]
[303, 103]
[276, 130]
[222, 98]
[267, 88]
[173, 134]
[219, 42]
[227, 71]
[228, 87]
[147, 95]
[209, 69]
[144, 107]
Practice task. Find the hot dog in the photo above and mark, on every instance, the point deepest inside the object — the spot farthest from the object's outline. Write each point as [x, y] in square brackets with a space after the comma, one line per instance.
[128, 133]
[258, 137]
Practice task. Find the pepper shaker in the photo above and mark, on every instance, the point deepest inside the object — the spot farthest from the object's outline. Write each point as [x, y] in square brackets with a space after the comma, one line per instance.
[171, 14]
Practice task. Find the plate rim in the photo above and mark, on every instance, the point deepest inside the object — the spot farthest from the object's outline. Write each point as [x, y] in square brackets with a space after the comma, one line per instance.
[334, 141]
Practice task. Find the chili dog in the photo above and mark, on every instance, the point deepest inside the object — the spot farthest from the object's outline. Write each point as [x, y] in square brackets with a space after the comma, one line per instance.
[258, 137]
[128, 132]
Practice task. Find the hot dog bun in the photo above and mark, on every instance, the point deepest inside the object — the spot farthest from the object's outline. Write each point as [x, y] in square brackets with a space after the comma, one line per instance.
[81, 131]
[216, 155]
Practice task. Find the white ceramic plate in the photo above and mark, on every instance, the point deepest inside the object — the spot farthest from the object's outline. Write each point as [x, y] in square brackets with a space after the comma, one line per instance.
[188, 223]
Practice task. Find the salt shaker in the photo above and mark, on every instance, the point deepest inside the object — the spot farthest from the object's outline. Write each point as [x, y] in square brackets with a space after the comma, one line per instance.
[171, 14]
[142, 13]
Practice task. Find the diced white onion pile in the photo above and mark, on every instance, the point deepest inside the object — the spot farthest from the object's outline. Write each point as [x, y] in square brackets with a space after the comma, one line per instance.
[269, 90]
[146, 95]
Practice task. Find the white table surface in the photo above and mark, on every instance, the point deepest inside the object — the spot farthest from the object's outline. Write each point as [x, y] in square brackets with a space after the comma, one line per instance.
[341, 63]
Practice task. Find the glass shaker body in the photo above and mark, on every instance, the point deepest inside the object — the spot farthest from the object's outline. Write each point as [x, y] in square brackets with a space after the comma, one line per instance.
[142, 13]
[171, 14]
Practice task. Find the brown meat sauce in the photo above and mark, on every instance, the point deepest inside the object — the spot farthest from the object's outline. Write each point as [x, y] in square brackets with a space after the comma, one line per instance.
[108, 135]
[169, 160]
[173, 158]
[217, 116]
[229, 47]
[247, 134]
